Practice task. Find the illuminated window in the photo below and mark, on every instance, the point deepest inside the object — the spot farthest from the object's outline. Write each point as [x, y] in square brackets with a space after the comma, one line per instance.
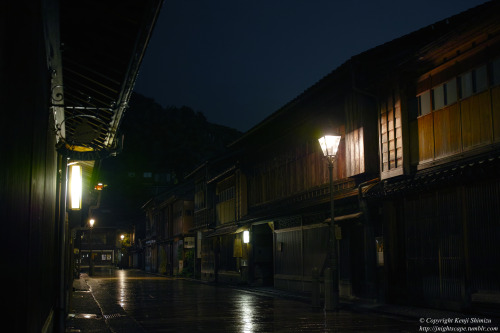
[451, 91]
[466, 85]
[438, 97]
[473, 82]
[480, 77]
[391, 132]
[445, 94]
[424, 103]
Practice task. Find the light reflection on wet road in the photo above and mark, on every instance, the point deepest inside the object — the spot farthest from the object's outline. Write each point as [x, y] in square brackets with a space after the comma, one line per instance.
[161, 304]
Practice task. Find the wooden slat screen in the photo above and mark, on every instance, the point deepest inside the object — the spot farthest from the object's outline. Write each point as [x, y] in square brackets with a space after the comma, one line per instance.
[447, 131]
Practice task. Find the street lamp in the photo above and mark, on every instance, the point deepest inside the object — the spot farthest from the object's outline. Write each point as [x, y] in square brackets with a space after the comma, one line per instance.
[329, 145]
[121, 251]
[91, 261]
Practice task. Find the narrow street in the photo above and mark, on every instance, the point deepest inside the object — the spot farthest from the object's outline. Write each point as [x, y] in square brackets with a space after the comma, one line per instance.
[134, 301]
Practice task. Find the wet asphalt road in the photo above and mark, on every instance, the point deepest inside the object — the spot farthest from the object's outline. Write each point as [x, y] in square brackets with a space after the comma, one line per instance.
[134, 301]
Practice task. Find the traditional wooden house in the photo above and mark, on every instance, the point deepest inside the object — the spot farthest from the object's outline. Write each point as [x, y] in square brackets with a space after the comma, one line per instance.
[203, 217]
[169, 244]
[105, 246]
[153, 223]
[287, 186]
[219, 204]
[183, 243]
[439, 145]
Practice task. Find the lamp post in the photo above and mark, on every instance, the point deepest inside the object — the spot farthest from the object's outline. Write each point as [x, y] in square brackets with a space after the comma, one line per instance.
[91, 261]
[329, 145]
[121, 265]
[124, 258]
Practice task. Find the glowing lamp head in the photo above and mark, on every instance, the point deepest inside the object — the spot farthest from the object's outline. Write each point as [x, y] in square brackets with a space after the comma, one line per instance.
[246, 236]
[75, 186]
[91, 223]
[122, 236]
[329, 145]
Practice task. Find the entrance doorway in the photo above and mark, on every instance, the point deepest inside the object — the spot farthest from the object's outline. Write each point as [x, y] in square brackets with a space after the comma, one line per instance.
[262, 242]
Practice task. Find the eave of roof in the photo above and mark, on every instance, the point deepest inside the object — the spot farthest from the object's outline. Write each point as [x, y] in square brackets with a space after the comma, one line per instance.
[95, 58]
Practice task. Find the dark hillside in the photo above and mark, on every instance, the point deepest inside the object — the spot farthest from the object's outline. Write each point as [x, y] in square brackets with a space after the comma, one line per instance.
[160, 146]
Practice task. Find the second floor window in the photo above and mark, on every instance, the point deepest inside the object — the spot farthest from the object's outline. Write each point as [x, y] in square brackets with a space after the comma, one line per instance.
[226, 189]
[444, 94]
[473, 82]
[462, 86]
[424, 103]
[391, 132]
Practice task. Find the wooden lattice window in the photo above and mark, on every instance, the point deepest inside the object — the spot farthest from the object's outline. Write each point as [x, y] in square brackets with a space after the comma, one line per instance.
[390, 133]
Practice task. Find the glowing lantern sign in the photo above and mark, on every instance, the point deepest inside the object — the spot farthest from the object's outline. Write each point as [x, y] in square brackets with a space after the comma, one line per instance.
[246, 236]
[75, 187]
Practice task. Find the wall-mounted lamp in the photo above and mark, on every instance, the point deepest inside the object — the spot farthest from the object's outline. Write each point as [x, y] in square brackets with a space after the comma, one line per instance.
[75, 187]
[246, 236]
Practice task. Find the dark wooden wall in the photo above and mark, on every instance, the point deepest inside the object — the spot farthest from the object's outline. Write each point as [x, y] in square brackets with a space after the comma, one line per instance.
[442, 244]
[296, 252]
[290, 171]
[28, 171]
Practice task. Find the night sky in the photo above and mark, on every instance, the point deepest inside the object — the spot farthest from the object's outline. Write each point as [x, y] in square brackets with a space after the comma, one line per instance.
[238, 61]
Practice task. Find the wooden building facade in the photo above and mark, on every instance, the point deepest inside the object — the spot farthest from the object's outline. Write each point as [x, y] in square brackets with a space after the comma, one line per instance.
[219, 203]
[288, 187]
[439, 117]
[169, 244]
